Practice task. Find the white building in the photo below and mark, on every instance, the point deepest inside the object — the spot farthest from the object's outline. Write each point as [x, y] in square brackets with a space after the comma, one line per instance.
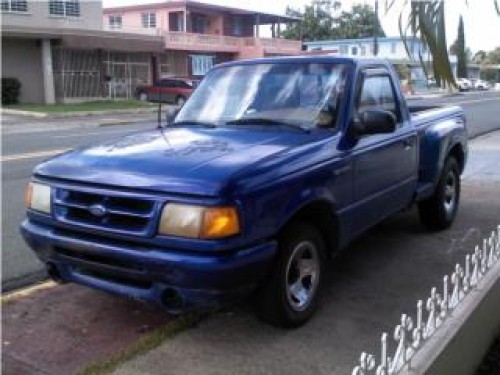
[391, 48]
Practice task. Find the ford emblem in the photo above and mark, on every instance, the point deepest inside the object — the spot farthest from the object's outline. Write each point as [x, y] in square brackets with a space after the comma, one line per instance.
[97, 210]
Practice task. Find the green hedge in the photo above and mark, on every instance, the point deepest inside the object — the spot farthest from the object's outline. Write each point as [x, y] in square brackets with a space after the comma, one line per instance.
[11, 88]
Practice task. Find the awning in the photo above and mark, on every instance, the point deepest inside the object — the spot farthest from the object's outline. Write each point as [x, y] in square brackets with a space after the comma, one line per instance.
[89, 39]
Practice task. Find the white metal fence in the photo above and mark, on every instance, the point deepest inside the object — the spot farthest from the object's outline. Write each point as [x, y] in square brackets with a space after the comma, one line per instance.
[411, 335]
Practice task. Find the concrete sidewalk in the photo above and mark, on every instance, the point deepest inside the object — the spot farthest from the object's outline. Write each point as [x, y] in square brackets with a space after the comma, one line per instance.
[48, 115]
[17, 124]
[376, 279]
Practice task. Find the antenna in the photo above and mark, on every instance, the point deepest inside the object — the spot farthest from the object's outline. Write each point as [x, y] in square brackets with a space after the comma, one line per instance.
[159, 109]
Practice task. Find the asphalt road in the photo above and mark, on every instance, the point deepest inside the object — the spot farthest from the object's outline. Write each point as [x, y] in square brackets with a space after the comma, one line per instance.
[26, 142]
[21, 152]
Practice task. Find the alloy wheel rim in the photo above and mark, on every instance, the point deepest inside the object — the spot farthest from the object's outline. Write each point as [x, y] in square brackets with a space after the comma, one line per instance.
[302, 275]
[450, 192]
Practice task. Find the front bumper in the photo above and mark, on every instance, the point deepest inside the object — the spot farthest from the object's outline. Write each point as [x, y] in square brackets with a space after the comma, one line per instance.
[200, 280]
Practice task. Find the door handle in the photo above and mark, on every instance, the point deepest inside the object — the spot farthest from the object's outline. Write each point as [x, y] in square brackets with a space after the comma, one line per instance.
[342, 170]
[408, 143]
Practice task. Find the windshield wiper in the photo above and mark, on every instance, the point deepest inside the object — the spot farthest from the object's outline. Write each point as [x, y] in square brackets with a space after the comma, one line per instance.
[193, 123]
[263, 121]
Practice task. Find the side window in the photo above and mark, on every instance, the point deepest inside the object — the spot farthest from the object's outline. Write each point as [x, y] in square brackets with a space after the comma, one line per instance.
[166, 83]
[377, 93]
[184, 85]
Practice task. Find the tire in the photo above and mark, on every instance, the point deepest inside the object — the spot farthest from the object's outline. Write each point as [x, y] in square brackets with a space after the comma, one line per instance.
[180, 100]
[289, 296]
[143, 96]
[439, 211]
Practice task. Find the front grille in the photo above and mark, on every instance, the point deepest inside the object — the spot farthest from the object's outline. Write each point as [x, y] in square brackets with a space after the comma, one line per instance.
[121, 214]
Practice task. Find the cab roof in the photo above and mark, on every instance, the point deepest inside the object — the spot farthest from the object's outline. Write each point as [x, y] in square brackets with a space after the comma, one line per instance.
[309, 59]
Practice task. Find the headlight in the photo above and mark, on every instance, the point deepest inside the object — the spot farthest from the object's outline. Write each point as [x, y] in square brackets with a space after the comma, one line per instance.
[199, 222]
[38, 197]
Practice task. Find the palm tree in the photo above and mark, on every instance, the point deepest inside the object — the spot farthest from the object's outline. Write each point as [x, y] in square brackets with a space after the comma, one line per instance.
[426, 19]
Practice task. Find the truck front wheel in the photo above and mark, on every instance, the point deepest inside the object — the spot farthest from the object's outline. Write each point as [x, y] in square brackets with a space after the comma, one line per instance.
[439, 211]
[289, 296]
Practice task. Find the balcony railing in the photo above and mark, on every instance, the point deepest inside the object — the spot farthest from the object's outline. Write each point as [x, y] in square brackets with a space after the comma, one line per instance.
[186, 41]
[179, 40]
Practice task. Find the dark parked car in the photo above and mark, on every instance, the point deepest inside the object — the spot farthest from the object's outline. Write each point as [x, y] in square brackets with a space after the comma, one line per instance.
[172, 90]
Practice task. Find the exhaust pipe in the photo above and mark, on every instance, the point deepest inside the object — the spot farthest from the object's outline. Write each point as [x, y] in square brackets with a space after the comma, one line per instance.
[172, 301]
[54, 273]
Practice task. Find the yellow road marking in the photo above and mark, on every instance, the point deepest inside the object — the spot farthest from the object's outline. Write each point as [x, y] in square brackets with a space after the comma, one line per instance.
[31, 155]
[9, 297]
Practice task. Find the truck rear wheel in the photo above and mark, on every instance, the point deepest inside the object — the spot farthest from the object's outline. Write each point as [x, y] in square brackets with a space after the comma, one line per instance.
[289, 296]
[439, 211]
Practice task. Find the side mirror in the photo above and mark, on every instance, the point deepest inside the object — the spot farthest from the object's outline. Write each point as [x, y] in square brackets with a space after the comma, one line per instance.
[374, 122]
[171, 114]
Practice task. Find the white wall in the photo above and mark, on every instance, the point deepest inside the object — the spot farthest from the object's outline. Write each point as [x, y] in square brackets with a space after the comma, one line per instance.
[387, 49]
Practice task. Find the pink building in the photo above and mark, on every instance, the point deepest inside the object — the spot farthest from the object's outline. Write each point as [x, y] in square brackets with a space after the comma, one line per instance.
[197, 35]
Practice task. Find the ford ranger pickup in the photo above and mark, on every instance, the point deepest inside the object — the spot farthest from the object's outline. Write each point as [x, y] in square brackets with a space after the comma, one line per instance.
[270, 168]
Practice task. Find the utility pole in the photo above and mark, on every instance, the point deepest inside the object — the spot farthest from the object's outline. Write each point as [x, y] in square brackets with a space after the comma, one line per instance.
[375, 42]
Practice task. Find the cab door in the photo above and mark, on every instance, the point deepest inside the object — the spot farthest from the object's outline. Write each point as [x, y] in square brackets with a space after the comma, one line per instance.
[385, 165]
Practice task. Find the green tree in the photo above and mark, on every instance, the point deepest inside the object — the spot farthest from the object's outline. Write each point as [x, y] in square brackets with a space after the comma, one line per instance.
[359, 22]
[426, 20]
[317, 21]
[493, 57]
[321, 21]
[479, 57]
[460, 51]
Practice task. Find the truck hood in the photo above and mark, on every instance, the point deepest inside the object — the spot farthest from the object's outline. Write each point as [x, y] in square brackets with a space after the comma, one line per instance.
[188, 160]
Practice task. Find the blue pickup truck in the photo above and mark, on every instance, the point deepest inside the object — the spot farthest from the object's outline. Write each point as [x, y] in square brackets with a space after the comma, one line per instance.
[270, 168]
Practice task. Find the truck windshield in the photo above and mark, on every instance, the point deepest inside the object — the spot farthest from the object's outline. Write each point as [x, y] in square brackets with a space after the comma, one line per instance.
[305, 95]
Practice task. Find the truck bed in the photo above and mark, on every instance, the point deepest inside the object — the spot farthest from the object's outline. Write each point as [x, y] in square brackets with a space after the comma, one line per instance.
[422, 115]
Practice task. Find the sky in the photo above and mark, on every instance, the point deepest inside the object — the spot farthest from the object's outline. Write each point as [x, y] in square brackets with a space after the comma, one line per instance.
[481, 22]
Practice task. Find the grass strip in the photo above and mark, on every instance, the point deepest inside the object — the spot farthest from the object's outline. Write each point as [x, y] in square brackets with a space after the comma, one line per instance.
[146, 343]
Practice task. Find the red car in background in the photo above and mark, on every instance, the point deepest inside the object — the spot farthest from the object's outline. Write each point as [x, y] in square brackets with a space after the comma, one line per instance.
[172, 90]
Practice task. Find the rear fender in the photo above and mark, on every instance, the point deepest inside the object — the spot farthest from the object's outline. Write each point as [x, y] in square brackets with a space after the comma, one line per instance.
[436, 144]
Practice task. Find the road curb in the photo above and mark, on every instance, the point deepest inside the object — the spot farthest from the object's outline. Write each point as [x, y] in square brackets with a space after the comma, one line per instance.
[46, 115]
[114, 122]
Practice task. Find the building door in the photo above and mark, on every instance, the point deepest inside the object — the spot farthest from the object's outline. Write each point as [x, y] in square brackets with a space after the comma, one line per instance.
[124, 72]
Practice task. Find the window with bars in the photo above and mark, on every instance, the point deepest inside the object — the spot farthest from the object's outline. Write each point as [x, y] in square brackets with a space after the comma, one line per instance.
[148, 20]
[67, 8]
[20, 6]
[115, 21]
